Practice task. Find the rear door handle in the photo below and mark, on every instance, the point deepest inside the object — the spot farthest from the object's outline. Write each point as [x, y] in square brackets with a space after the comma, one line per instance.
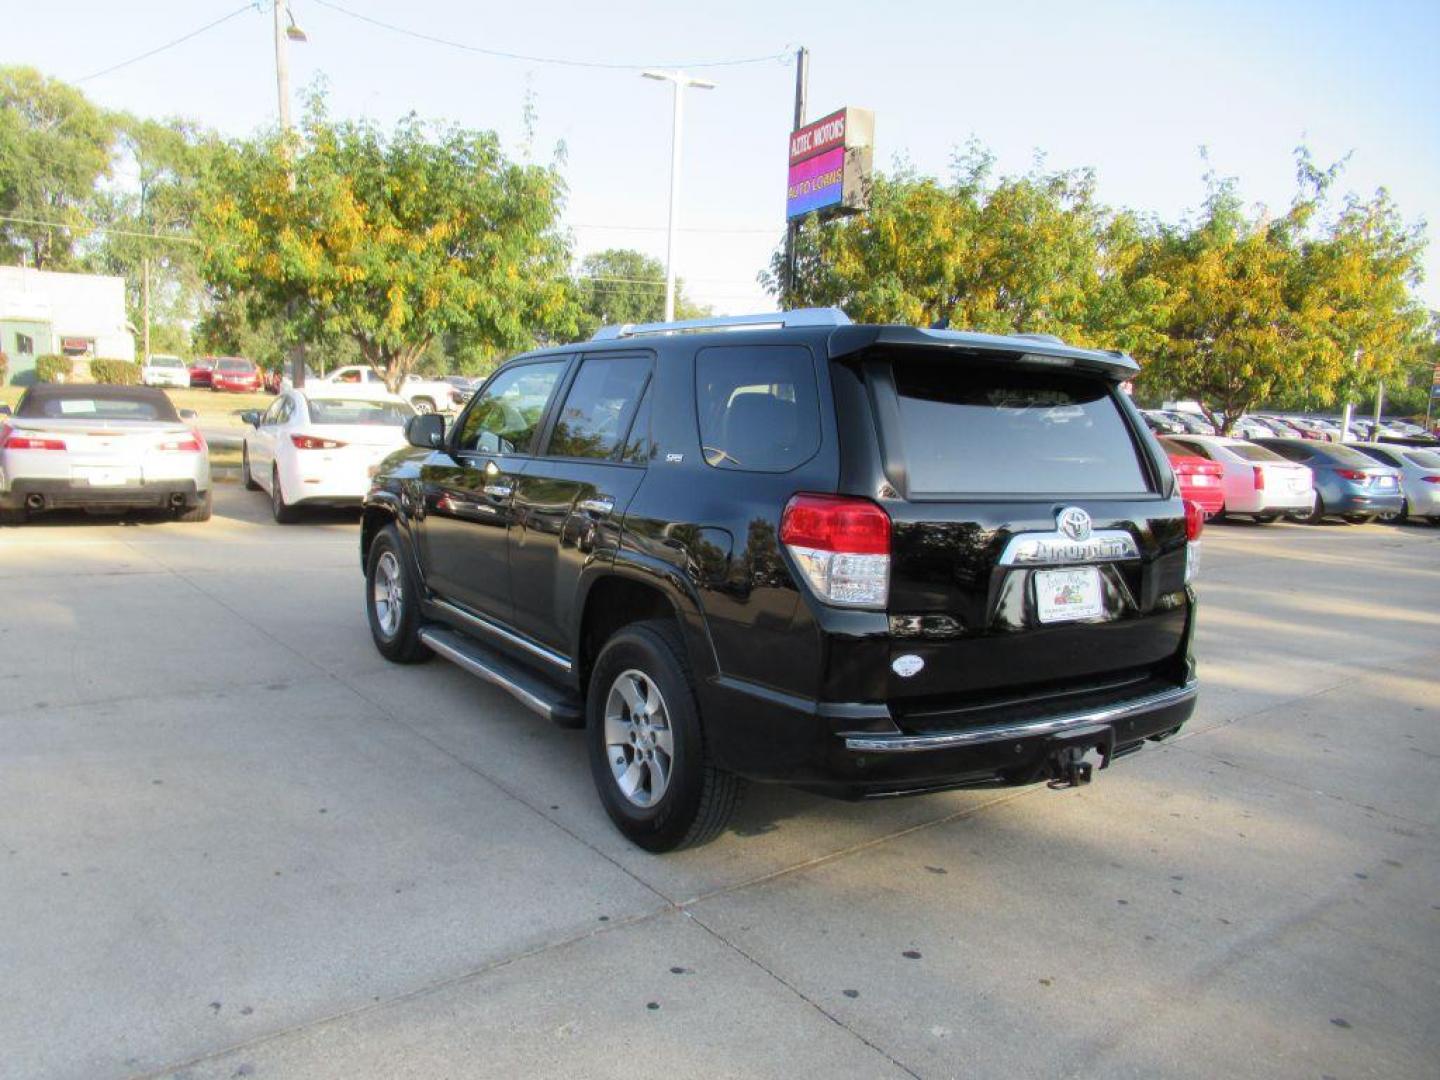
[600, 507]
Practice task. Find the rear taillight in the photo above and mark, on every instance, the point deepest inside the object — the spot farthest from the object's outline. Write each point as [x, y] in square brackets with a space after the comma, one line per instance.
[16, 441]
[1350, 474]
[310, 442]
[1259, 478]
[1194, 520]
[842, 546]
[1431, 479]
[190, 445]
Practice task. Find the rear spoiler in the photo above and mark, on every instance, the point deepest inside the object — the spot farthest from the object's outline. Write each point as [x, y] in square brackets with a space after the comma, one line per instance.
[1040, 350]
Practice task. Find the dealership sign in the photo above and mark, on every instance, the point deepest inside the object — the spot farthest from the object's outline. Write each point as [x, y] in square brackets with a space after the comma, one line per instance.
[830, 164]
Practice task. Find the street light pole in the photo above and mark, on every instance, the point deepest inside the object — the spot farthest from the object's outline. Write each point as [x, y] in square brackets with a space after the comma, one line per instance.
[287, 31]
[282, 64]
[681, 81]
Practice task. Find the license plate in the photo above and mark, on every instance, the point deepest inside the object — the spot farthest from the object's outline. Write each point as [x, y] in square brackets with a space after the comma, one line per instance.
[103, 476]
[1297, 483]
[1387, 481]
[1064, 595]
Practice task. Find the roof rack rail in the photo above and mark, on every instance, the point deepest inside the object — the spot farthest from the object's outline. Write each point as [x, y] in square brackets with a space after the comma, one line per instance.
[775, 320]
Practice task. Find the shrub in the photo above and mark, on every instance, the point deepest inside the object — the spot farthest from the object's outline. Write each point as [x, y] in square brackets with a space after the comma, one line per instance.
[52, 368]
[4, 367]
[114, 372]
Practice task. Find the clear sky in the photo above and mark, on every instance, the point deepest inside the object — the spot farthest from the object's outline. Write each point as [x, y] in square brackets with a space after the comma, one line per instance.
[1130, 88]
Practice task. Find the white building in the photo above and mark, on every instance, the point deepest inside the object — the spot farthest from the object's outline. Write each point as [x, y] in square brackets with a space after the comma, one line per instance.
[79, 315]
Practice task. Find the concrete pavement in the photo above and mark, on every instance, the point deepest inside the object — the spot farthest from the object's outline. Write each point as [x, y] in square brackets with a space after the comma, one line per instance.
[234, 842]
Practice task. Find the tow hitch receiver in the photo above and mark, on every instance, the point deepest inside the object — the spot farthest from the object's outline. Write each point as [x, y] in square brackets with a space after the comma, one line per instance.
[1066, 767]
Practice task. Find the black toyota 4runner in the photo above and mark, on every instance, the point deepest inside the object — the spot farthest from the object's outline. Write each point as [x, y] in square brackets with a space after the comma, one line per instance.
[863, 560]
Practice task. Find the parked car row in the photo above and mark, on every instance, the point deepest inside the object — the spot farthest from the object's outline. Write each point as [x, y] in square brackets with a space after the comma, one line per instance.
[1309, 480]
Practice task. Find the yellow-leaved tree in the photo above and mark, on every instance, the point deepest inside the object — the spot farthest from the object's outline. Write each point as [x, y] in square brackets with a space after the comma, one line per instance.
[394, 240]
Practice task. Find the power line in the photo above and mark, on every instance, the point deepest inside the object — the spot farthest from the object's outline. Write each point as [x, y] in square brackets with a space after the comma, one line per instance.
[167, 45]
[97, 227]
[558, 61]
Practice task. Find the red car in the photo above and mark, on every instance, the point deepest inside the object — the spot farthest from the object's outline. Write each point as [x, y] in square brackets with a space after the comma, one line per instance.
[200, 370]
[1201, 482]
[235, 373]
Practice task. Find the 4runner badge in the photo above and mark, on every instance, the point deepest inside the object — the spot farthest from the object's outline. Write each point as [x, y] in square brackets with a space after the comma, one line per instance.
[1074, 523]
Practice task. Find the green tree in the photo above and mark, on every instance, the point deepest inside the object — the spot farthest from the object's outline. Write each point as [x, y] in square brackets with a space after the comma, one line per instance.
[54, 145]
[391, 240]
[1292, 309]
[146, 230]
[621, 285]
[1034, 253]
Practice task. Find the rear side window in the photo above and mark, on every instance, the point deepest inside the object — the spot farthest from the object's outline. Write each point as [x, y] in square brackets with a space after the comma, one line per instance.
[598, 409]
[1426, 459]
[972, 427]
[758, 407]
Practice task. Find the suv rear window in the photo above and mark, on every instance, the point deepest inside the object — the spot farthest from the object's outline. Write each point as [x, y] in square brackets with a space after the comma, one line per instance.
[974, 427]
[758, 406]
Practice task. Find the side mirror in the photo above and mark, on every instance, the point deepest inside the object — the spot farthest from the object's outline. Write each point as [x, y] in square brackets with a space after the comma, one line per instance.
[250, 416]
[426, 431]
[189, 414]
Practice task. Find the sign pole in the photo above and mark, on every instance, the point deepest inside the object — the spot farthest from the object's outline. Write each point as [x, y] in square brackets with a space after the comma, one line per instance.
[792, 226]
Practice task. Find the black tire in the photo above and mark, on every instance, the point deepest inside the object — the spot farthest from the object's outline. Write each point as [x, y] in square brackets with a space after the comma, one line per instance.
[1265, 519]
[1317, 512]
[399, 642]
[698, 798]
[284, 513]
[1358, 519]
[17, 516]
[200, 511]
[245, 477]
[1404, 515]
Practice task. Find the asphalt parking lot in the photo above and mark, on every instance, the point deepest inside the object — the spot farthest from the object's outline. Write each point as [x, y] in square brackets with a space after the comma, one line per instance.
[235, 842]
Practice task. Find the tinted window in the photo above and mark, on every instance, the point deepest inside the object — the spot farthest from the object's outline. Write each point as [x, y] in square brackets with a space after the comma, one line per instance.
[1251, 452]
[80, 405]
[1292, 451]
[1344, 456]
[638, 445]
[758, 407]
[503, 419]
[598, 408]
[1382, 456]
[970, 427]
[338, 411]
[235, 365]
[1426, 459]
[1185, 446]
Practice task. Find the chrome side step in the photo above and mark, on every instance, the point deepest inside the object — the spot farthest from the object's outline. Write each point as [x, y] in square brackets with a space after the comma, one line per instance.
[527, 688]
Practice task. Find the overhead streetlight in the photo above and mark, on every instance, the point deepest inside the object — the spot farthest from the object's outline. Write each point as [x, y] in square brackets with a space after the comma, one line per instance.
[680, 81]
[286, 31]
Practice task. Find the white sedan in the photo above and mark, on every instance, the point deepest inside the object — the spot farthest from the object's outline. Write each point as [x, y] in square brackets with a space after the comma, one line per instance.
[162, 370]
[318, 447]
[1257, 481]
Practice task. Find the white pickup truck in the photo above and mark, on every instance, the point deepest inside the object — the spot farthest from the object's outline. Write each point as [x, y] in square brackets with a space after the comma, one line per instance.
[426, 395]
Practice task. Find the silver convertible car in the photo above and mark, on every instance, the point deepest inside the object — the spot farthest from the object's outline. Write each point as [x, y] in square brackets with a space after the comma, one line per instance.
[110, 448]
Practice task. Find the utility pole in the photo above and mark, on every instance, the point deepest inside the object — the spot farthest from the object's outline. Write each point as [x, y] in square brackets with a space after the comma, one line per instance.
[1379, 405]
[285, 32]
[681, 81]
[282, 64]
[792, 228]
[145, 304]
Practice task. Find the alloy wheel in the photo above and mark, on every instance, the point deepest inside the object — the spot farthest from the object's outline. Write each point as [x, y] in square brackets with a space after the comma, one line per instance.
[388, 594]
[639, 741]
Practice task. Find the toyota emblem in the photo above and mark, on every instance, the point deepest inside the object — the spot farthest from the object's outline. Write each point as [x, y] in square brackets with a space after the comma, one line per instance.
[1074, 523]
